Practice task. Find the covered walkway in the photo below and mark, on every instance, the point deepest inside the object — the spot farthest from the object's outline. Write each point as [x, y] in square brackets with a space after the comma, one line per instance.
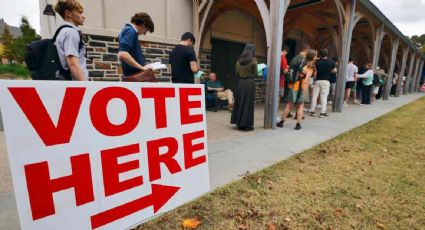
[347, 28]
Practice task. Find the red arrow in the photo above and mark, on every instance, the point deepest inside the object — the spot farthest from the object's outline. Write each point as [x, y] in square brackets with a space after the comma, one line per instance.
[159, 197]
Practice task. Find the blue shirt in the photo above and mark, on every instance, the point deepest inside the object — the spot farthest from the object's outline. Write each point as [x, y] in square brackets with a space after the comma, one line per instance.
[129, 42]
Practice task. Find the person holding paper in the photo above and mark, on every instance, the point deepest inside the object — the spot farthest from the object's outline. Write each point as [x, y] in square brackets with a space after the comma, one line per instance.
[130, 52]
[183, 60]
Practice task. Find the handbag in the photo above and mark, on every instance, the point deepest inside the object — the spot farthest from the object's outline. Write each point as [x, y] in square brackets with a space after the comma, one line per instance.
[142, 76]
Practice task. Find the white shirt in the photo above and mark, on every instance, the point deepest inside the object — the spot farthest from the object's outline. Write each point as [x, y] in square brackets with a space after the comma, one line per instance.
[351, 71]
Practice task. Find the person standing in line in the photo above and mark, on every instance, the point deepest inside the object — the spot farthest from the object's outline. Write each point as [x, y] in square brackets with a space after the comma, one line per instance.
[325, 68]
[69, 44]
[295, 95]
[367, 83]
[296, 60]
[246, 70]
[129, 50]
[283, 71]
[351, 79]
[333, 83]
[183, 60]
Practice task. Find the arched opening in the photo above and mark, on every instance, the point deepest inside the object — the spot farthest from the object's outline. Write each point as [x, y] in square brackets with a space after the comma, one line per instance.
[223, 40]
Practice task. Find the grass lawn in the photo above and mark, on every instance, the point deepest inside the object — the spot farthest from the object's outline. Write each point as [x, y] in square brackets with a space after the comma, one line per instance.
[372, 177]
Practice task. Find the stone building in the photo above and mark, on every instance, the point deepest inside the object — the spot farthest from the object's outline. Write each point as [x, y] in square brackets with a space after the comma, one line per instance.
[222, 27]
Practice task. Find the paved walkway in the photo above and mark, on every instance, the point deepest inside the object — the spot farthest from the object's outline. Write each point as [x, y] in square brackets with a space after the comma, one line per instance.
[232, 153]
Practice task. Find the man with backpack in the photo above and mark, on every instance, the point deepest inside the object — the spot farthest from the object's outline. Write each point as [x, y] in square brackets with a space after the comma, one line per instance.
[69, 45]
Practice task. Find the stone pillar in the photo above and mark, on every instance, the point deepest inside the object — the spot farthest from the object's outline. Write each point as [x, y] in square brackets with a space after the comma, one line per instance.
[402, 71]
[350, 21]
[388, 83]
[409, 74]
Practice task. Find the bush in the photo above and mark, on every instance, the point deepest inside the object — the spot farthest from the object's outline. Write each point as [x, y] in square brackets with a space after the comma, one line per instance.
[15, 69]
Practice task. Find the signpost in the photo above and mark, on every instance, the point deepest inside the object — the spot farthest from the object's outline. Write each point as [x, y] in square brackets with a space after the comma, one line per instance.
[92, 155]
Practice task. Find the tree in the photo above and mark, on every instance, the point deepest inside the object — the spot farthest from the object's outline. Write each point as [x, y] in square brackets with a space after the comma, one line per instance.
[419, 41]
[28, 35]
[8, 45]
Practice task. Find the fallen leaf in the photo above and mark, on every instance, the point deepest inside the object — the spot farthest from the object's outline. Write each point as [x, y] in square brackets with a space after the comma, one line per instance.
[191, 223]
[287, 219]
[242, 227]
[359, 207]
[380, 226]
[272, 227]
[270, 185]
[259, 180]
[338, 212]
[395, 140]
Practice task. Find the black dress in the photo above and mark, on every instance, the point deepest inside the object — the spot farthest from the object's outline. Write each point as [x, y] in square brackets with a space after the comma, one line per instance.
[243, 110]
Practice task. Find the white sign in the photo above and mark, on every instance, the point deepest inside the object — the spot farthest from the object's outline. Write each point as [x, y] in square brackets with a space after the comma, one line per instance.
[103, 155]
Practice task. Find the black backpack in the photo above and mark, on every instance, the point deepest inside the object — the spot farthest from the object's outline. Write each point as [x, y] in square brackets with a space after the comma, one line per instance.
[293, 74]
[43, 61]
[376, 81]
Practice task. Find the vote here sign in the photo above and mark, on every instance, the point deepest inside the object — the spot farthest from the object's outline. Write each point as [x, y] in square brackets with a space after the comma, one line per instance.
[103, 155]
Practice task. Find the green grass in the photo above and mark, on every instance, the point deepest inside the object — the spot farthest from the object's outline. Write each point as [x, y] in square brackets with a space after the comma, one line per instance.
[372, 177]
[14, 70]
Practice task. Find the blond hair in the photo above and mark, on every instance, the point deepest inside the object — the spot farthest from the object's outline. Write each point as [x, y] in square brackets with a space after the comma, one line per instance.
[63, 5]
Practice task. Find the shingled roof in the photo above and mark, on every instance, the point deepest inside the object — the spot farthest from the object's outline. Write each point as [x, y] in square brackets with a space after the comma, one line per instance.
[15, 31]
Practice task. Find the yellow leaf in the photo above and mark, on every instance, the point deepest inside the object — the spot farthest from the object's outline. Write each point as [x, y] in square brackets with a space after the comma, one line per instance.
[191, 223]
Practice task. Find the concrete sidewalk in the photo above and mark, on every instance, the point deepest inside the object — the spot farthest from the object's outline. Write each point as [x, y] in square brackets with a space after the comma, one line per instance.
[232, 153]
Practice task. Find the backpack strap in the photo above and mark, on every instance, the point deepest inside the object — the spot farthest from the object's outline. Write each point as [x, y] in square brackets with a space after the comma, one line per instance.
[80, 45]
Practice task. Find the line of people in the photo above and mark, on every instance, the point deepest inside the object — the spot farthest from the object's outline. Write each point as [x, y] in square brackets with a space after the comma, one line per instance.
[311, 77]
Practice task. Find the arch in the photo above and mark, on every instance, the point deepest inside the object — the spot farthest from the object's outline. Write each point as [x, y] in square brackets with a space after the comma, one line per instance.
[219, 9]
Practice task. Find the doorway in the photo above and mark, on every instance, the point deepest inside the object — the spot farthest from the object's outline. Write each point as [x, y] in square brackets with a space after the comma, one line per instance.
[223, 60]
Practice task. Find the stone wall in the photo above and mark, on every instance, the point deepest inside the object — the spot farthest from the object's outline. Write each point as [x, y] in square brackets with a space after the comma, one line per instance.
[103, 63]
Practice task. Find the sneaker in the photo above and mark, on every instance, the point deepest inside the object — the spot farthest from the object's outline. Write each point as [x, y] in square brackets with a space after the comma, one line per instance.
[322, 115]
[298, 126]
[345, 104]
[356, 102]
[313, 114]
[280, 124]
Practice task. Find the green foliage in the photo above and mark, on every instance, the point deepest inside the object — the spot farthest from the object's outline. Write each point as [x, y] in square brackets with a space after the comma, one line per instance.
[15, 70]
[8, 44]
[14, 48]
[419, 41]
[28, 35]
